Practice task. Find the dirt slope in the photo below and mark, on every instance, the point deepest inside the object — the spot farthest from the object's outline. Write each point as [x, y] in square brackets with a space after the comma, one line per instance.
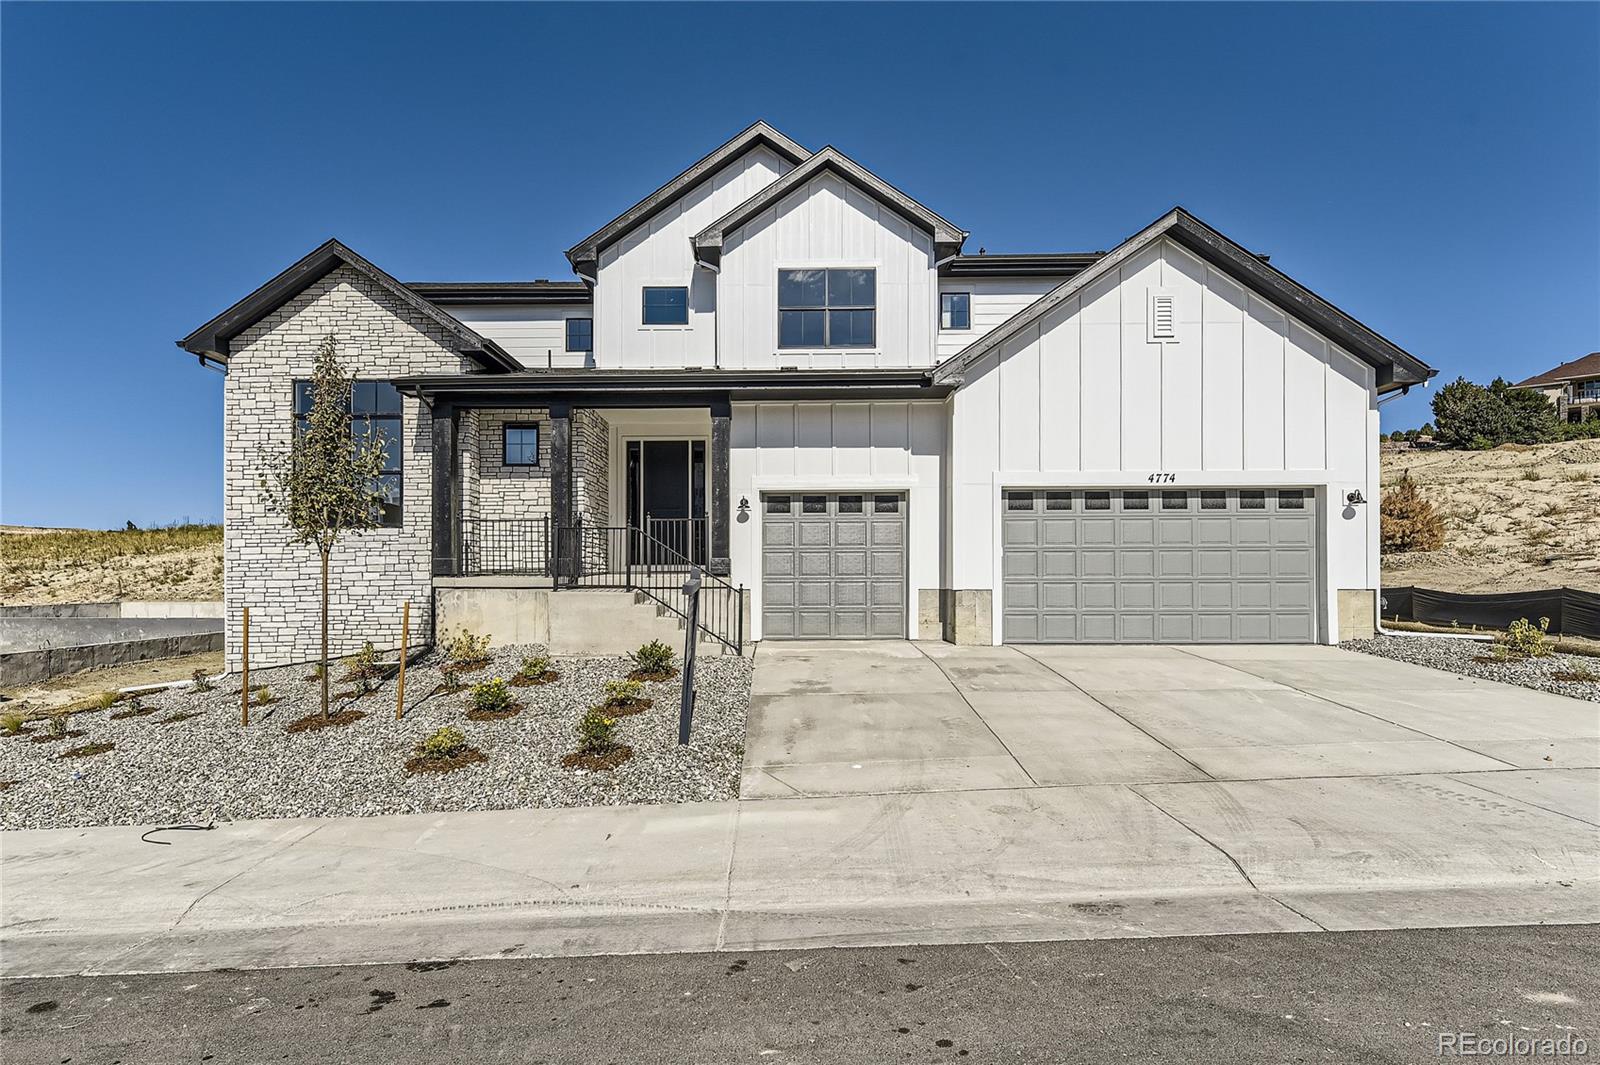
[91, 566]
[1519, 518]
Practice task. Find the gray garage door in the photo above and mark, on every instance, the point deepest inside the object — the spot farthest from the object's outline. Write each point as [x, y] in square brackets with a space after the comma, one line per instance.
[1123, 566]
[833, 566]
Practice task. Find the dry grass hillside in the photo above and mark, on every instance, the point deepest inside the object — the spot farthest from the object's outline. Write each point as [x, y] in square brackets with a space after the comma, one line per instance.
[91, 566]
[1518, 518]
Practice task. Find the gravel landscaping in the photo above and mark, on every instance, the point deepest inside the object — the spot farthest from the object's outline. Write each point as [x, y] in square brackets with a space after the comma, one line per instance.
[1461, 657]
[192, 762]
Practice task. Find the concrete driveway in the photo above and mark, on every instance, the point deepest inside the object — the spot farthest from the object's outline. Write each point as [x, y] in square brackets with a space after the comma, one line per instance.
[867, 718]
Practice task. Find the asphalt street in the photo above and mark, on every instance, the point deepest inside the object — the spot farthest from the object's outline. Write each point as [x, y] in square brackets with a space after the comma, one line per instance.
[1385, 996]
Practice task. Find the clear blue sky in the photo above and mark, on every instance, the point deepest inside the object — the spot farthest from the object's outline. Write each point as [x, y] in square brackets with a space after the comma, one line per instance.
[1433, 169]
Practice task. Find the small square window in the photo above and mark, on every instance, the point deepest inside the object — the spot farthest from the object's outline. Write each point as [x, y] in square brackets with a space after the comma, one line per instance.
[1097, 501]
[666, 306]
[955, 310]
[1292, 499]
[1252, 500]
[886, 504]
[850, 504]
[1174, 500]
[1136, 501]
[1019, 500]
[813, 504]
[1058, 501]
[777, 504]
[521, 445]
[1213, 500]
[580, 334]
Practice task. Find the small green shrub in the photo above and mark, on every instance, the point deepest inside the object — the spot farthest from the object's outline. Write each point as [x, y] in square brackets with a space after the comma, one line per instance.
[11, 723]
[653, 657]
[317, 670]
[491, 697]
[56, 724]
[363, 665]
[261, 695]
[534, 666]
[202, 683]
[1524, 639]
[597, 731]
[623, 692]
[443, 743]
[464, 649]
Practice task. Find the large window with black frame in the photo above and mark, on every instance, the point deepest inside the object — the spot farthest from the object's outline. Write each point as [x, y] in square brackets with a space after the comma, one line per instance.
[374, 415]
[827, 308]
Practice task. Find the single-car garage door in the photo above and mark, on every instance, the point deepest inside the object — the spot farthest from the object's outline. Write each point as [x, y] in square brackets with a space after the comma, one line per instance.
[833, 566]
[1176, 566]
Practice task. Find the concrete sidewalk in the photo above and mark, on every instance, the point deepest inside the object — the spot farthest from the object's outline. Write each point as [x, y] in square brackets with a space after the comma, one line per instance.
[964, 866]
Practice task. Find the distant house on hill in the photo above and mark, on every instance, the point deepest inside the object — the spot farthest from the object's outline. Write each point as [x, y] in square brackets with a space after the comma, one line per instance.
[1574, 387]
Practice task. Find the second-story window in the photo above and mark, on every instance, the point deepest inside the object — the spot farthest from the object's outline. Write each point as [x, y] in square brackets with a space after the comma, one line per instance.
[827, 308]
[666, 306]
[580, 334]
[955, 310]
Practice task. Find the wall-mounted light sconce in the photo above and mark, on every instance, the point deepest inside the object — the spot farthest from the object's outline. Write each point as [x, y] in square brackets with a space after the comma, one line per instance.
[1355, 497]
[744, 504]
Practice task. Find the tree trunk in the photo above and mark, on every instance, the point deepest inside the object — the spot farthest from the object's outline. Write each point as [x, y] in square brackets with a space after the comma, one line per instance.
[325, 552]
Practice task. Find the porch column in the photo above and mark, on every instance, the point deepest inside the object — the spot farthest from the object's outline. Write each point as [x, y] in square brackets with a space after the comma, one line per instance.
[721, 433]
[561, 516]
[446, 491]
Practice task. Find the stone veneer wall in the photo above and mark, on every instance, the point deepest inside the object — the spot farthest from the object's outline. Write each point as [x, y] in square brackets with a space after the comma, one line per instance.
[378, 336]
[591, 467]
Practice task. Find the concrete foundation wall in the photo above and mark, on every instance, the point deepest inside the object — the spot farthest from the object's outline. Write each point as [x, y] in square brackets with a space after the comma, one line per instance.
[586, 621]
[1356, 609]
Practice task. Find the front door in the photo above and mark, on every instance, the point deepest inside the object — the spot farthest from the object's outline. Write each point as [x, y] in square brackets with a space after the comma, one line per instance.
[667, 496]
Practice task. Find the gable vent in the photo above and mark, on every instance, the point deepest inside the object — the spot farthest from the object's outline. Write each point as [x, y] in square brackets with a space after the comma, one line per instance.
[1163, 315]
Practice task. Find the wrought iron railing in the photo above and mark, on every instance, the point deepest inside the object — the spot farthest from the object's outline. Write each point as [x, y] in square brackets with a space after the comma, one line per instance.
[686, 536]
[602, 556]
[599, 556]
[509, 546]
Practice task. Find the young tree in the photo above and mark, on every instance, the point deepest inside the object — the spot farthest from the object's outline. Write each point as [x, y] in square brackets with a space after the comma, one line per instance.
[1407, 521]
[326, 485]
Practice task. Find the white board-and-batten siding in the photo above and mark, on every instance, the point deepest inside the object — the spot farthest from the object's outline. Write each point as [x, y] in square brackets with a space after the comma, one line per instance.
[1243, 394]
[659, 253]
[824, 447]
[827, 222]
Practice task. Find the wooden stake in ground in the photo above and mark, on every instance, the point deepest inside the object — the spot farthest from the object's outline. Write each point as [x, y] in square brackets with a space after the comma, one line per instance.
[244, 681]
[400, 686]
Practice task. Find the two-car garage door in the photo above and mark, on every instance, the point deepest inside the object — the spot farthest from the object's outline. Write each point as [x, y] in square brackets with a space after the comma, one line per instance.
[1175, 566]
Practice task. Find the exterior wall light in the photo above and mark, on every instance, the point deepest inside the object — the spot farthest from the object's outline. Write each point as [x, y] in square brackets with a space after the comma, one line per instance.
[1355, 497]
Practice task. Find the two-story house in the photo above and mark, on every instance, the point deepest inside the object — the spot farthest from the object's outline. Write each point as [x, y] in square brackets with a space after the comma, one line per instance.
[781, 367]
[1573, 388]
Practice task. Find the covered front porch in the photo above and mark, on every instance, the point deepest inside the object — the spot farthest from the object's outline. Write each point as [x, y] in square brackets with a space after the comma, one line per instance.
[572, 486]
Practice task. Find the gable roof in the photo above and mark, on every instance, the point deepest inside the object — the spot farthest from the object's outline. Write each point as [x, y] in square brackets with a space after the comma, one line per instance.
[589, 248]
[1583, 367]
[211, 340]
[1396, 367]
[947, 237]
